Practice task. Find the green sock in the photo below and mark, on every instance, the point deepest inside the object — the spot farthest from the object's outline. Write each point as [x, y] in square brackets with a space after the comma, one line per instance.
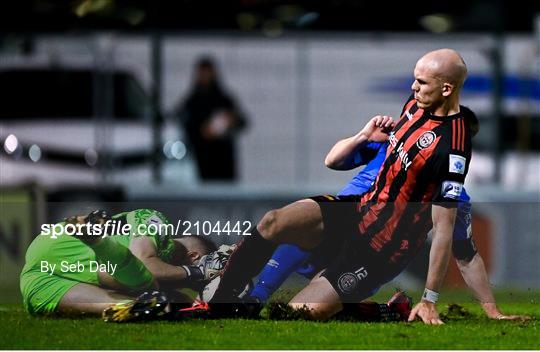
[130, 271]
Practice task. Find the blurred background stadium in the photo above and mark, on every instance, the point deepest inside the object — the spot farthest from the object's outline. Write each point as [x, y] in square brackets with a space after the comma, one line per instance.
[90, 91]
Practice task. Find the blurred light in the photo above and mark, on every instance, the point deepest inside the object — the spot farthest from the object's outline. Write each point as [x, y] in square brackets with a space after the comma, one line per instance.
[34, 153]
[288, 13]
[86, 7]
[246, 21]
[178, 150]
[167, 149]
[91, 157]
[437, 23]
[11, 144]
[133, 16]
[272, 28]
[307, 19]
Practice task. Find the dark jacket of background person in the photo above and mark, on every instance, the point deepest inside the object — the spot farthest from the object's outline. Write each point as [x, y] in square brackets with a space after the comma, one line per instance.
[211, 119]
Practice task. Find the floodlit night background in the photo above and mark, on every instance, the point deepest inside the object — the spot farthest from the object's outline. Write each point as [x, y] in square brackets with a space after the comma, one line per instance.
[91, 93]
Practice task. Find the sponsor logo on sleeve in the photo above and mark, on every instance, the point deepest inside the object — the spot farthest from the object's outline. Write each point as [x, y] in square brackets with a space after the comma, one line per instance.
[457, 164]
[154, 219]
[451, 189]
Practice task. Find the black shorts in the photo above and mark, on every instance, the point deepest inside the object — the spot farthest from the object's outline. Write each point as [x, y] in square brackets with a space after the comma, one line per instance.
[357, 271]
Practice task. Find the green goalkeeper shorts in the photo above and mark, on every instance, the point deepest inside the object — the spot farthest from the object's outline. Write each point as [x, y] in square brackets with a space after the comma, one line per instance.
[42, 288]
[42, 292]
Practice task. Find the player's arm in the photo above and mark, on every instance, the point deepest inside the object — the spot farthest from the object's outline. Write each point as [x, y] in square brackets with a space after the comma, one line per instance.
[475, 275]
[171, 275]
[439, 255]
[345, 155]
[145, 249]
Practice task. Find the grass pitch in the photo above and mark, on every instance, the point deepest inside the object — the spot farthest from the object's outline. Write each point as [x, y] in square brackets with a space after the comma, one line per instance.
[471, 330]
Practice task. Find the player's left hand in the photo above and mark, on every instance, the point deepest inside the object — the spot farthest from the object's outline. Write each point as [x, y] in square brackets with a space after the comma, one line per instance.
[427, 311]
[493, 312]
[512, 317]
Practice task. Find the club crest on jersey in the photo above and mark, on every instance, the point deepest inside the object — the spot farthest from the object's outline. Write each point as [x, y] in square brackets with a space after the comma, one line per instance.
[426, 139]
[457, 164]
[348, 282]
[451, 189]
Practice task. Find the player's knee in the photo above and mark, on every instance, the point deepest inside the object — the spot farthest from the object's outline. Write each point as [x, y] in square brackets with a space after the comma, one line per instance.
[465, 261]
[313, 311]
[268, 226]
[464, 251]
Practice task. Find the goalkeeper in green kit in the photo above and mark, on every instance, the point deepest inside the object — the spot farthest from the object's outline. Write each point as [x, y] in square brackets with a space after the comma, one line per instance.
[85, 273]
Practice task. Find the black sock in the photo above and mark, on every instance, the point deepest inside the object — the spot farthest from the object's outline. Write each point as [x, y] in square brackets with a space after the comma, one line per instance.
[247, 260]
[367, 311]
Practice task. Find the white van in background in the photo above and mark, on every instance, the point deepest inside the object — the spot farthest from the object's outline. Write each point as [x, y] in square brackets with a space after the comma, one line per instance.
[78, 126]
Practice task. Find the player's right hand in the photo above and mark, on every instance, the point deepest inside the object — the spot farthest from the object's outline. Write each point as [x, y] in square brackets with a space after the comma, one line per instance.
[378, 128]
[427, 311]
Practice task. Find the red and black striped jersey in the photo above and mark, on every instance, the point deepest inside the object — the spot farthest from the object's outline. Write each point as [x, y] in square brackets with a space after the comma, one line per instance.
[426, 163]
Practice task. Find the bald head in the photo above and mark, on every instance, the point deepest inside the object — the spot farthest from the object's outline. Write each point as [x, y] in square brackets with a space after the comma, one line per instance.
[446, 65]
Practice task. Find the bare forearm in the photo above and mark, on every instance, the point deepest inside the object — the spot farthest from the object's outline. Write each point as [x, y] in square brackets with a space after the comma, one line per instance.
[441, 249]
[441, 246]
[341, 154]
[163, 272]
[475, 276]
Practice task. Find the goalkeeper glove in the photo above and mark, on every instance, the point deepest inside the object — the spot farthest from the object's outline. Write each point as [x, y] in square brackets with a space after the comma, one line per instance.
[209, 265]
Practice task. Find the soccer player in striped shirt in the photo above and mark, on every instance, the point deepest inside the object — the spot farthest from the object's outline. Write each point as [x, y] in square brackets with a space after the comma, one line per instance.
[347, 155]
[418, 187]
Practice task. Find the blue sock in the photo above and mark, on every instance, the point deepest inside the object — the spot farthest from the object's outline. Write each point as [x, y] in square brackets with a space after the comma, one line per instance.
[285, 260]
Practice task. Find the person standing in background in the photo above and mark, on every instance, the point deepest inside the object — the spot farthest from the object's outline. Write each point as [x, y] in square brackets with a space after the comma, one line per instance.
[212, 120]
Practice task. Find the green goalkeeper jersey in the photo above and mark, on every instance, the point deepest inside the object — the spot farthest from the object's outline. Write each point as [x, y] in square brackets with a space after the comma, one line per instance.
[45, 252]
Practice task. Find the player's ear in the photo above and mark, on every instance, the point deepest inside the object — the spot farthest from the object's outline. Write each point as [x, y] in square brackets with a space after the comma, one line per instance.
[447, 89]
[193, 256]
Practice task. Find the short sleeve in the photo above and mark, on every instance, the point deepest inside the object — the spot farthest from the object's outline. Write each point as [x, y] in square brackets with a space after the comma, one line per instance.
[451, 167]
[367, 153]
[154, 225]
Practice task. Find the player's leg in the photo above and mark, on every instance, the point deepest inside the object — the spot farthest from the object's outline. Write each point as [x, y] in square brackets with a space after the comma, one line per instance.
[319, 300]
[354, 275]
[89, 299]
[286, 259]
[398, 308]
[298, 223]
[46, 294]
